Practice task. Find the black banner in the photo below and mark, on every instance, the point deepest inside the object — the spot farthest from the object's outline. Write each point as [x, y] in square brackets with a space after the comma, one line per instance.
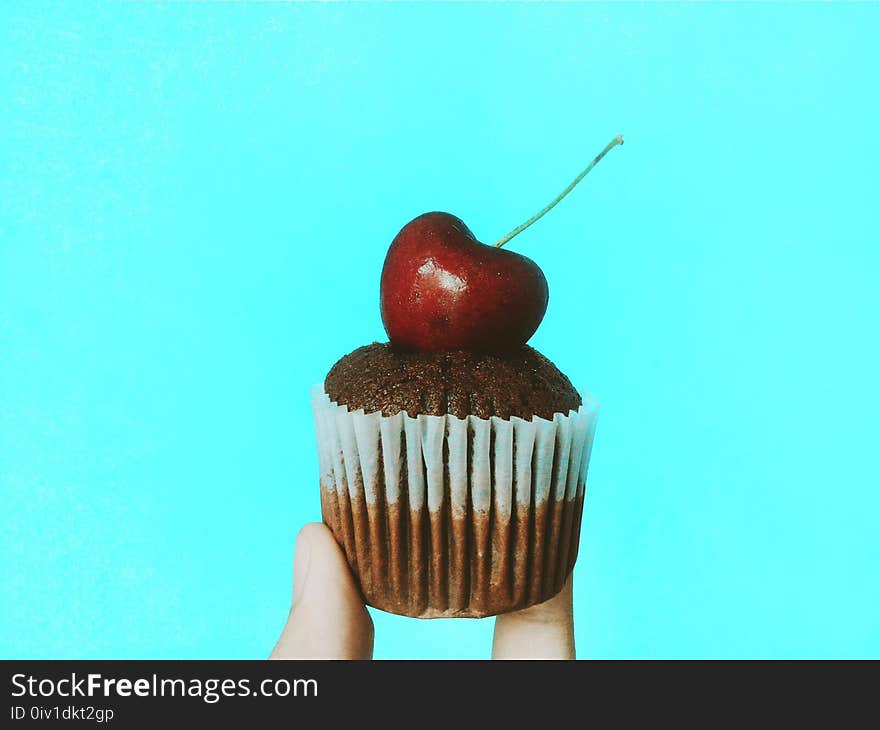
[132, 693]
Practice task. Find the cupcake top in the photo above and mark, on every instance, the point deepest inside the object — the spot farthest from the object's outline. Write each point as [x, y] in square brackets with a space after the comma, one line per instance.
[521, 382]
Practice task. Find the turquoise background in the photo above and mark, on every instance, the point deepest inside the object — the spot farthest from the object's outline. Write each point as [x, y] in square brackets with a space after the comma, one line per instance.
[195, 203]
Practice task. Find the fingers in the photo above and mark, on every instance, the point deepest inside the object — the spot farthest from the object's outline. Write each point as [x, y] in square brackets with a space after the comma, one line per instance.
[545, 631]
[328, 619]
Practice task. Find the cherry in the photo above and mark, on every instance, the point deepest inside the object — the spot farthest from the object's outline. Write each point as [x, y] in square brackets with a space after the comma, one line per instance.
[441, 289]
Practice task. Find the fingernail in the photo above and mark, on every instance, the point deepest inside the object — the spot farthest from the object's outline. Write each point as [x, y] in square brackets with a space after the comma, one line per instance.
[303, 552]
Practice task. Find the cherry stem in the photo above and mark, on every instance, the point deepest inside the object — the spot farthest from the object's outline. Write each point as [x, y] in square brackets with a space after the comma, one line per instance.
[520, 228]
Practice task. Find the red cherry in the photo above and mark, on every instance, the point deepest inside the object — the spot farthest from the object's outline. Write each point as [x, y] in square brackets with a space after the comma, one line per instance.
[442, 289]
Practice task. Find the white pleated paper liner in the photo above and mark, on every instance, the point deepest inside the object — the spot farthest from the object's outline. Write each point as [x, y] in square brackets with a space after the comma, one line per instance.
[443, 516]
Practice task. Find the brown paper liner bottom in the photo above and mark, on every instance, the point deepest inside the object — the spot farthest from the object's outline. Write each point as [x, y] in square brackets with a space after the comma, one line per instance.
[455, 564]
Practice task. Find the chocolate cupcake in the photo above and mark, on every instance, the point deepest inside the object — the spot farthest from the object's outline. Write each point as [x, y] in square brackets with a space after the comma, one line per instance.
[453, 458]
[454, 481]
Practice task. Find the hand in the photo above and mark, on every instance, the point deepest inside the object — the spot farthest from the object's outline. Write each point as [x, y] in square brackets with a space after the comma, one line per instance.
[328, 619]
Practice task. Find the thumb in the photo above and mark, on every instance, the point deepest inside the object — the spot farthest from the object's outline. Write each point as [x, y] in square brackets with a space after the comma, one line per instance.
[328, 619]
[545, 631]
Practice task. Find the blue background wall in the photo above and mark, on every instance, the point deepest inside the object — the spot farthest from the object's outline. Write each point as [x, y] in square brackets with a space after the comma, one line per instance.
[195, 203]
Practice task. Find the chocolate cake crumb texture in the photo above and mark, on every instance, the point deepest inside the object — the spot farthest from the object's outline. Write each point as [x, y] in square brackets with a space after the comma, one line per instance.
[379, 378]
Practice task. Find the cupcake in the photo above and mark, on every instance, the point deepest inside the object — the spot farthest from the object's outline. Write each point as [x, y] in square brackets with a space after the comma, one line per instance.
[454, 481]
[453, 458]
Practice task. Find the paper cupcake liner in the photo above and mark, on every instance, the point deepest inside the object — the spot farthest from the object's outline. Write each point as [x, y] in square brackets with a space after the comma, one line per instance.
[441, 516]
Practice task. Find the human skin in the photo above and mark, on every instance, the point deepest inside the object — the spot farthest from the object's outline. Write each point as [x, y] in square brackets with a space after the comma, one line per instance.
[328, 618]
